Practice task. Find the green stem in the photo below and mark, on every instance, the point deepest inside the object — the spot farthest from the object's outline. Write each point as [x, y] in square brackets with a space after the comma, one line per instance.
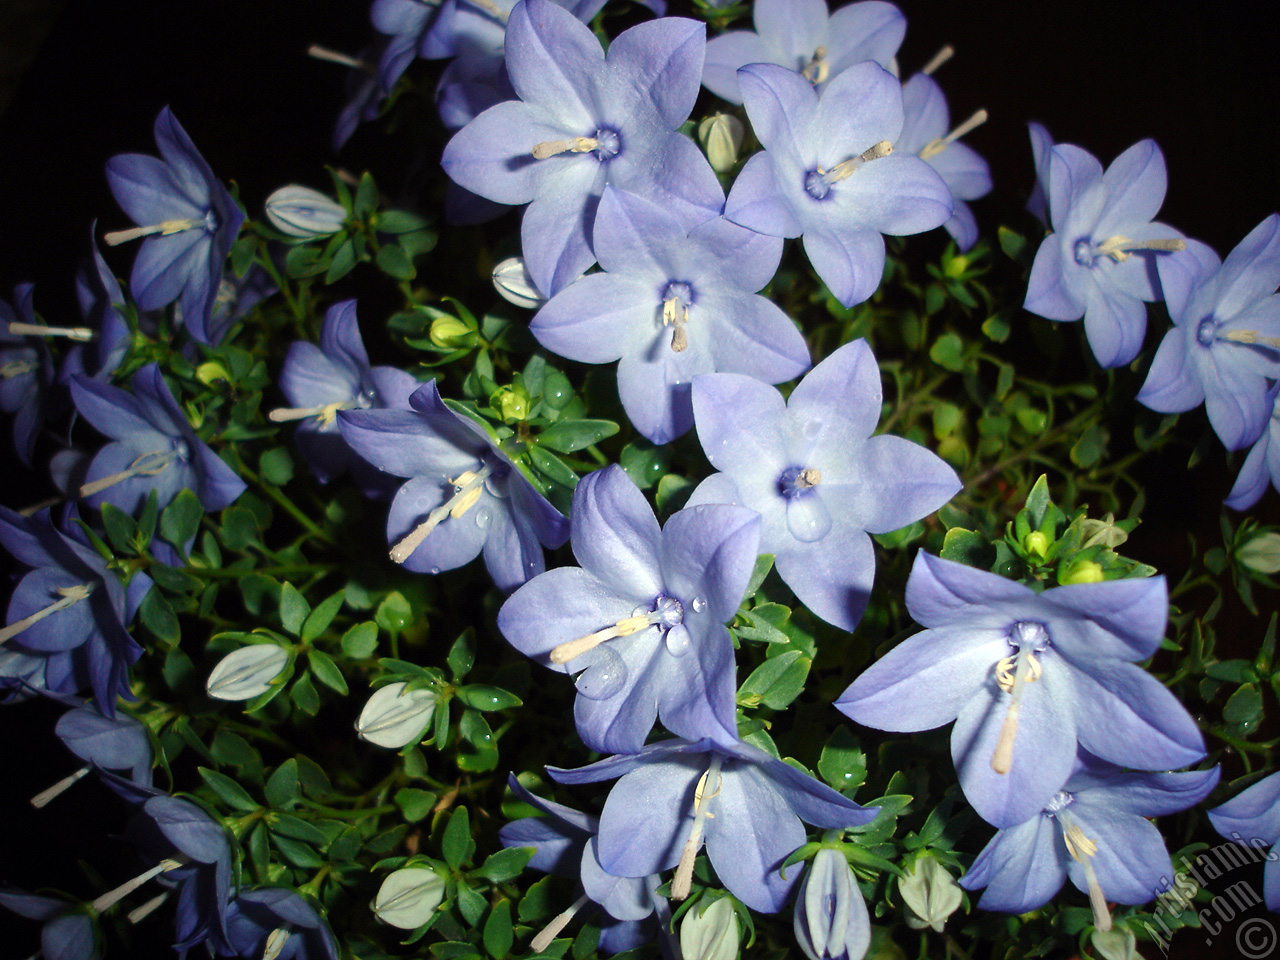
[284, 570]
[1088, 413]
[358, 813]
[288, 505]
[299, 313]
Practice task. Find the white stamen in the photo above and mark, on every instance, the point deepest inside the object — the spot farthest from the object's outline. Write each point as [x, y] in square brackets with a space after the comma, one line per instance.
[808, 477]
[1251, 337]
[683, 880]
[69, 595]
[818, 69]
[935, 147]
[35, 508]
[623, 628]
[275, 943]
[83, 334]
[42, 798]
[138, 913]
[675, 313]
[467, 490]
[112, 897]
[939, 58]
[558, 923]
[147, 465]
[333, 56]
[1002, 758]
[551, 148]
[16, 368]
[491, 8]
[842, 171]
[1082, 850]
[325, 414]
[1119, 248]
[117, 237]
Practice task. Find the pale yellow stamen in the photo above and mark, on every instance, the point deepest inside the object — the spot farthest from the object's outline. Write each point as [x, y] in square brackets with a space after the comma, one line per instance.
[1120, 248]
[276, 941]
[675, 313]
[467, 489]
[325, 414]
[552, 930]
[682, 882]
[83, 334]
[112, 897]
[809, 477]
[333, 56]
[1250, 337]
[166, 228]
[939, 58]
[69, 596]
[551, 148]
[147, 465]
[1002, 757]
[818, 69]
[935, 147]
[16, 368]
[138, 913]
[1083, 850]
[842, 171]
[576, 648]
[1004, 672]
[42, 799]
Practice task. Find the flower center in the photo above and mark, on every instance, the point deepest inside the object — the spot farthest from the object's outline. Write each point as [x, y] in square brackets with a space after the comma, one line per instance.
[667, 612]
[467, 488]
[324, 414]
[605, 143]
[67, 596]
[148, 465]
[817, 70]
[1120, 249]
[807, 516]
[676, 300]
[208, 222]
[817, 182]
[1013, 673]
[1083, 849]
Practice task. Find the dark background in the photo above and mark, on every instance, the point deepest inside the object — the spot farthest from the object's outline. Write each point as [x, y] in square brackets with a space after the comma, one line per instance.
[81, 80]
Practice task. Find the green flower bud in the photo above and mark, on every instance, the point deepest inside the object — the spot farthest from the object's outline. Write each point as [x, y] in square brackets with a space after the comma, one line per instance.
[721, 137]
[1036, 543]
[408, 897]
[450, 333]
[247, 673]
[1084, 571]
[710, 934]
[512, 404]
[929, 895]
[1261, 554]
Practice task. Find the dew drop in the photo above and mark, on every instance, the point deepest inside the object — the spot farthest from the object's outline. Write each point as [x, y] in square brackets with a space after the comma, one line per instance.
[699, 604]
[483, 518]
[678, 641]
[434, 570]
[604, 678]
[807, 517]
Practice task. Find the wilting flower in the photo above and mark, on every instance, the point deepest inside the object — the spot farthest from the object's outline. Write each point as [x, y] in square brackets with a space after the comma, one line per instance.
[154, 447]
[746, 806]
[1262, 464]
[247, 673]
[26, 370]
[1094, 830]
[642, 620]
[1025, 676]
[395, 717]
[801, 36]
[676, 299]
[464, 495]
[189, 221]
[927, 132]
[1254, 813]
[1100, 260]
[828, 172]
[831, 921]
[408, 897]
[710, 932]
[1224, 347]
[68, 934]
[274, 922]
[585, 120]
[304, 213]
[336, 375]
[818, 478]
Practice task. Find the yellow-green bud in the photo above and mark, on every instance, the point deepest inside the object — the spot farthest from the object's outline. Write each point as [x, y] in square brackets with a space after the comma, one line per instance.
[1084, 571]
[1118, 943]
[1262, 553]
[450, 333]
[513, 405]
[721, 137]
[956, 267]
[1036, 543]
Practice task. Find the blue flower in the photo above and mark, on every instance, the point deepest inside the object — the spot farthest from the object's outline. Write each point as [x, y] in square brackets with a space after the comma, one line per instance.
[272, 918]
[801, 36]
[831, 921]
[1100, 260]
[1094, 830]
[677, 299]
[106, 742]
[1224, 347]
[585, 120]
[818, 478]
[464, 495]
[642, 620]
[153, 447]
[828, 172]
[1025, 676]
[189, 221]
[744, 804]
[1262, 463]
[1254, 813]
[26, 370]
[68, 934]
[101, 300]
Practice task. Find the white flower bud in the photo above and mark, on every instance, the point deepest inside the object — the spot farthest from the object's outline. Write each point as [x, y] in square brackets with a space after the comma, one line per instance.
[514, 284]
[1262, 553]
[247, 673]
[1118, 943]
[929, 895]
[721, 137]
[393, 718]
[710, 934]
[408, 897]
[304, 213]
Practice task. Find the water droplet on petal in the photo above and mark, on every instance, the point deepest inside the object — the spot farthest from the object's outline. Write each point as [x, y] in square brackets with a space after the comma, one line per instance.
[483, 518]
[678, 641]
[699, 604]
[807, 517]
[811, 429]
[434, 570]
[604, 678]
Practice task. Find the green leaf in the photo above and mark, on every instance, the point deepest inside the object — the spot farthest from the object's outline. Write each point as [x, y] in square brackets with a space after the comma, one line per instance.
[415, 804]
[304, 695]
[394, 613]
[842, 763]
[157, 616]
[1038, 501]
[399, 221]
[672, 493]
[462, 655]
[232, 750]
[1013, 244]
[293, 609]
[296, 852]
[1243, 706]
[313, 779]
[180, 520]
[967, 547]
[1091, 446]
[361, 641]
[454, 950]
[776, 682]
[538, 901]
[228, 790]
[996, 327]
[173, 580]
[276, 466]
[304, 261]
[239, 528]
[645, 464]
[764, 563]
[948, 352]
[471, 904]
[121, 529]
[552, 467]
[326, 671]
[568, 436]
[394, 262]
[366, 200]
[764, 623]
[482, 696]
[505, 864]
[498, 934]
[318, 620]
[295, 828]
[256, 589]
[456, 844]
[283, 788]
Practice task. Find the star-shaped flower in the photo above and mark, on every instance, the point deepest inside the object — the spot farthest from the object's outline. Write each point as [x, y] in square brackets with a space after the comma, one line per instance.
[1025, 676]
[744, 804]
[801, 36]
[189, 221]
[1094, 830]
[1262, 464]
[273, 918]
[642, 620]
[1100, 260]
[68, 933]
[828, 172]
[101, 301]
[464, 495]
[818, 478]
[676, 299]
[585, 120]
[1224, 347]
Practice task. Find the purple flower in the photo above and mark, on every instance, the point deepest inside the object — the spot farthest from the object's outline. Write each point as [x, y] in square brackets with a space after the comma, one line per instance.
[642, 620]
[279, 919]
[1025, 676]
[818, 478]
[1100, 260]
[189, 221]
[68, 934]
[464, 495]
[677, 299]
[926, 132]
[101, 299]
[318, 381]
[1254, 813]
[1224, 347]
[828, 172]
[153, 447]
[1094, 830]
[1262, 463]
[585, 120]
[70, 609]
[26, 370]
[1041, 145]
[831, 921]
[744, 804]
[801, 36]
[110, 742]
